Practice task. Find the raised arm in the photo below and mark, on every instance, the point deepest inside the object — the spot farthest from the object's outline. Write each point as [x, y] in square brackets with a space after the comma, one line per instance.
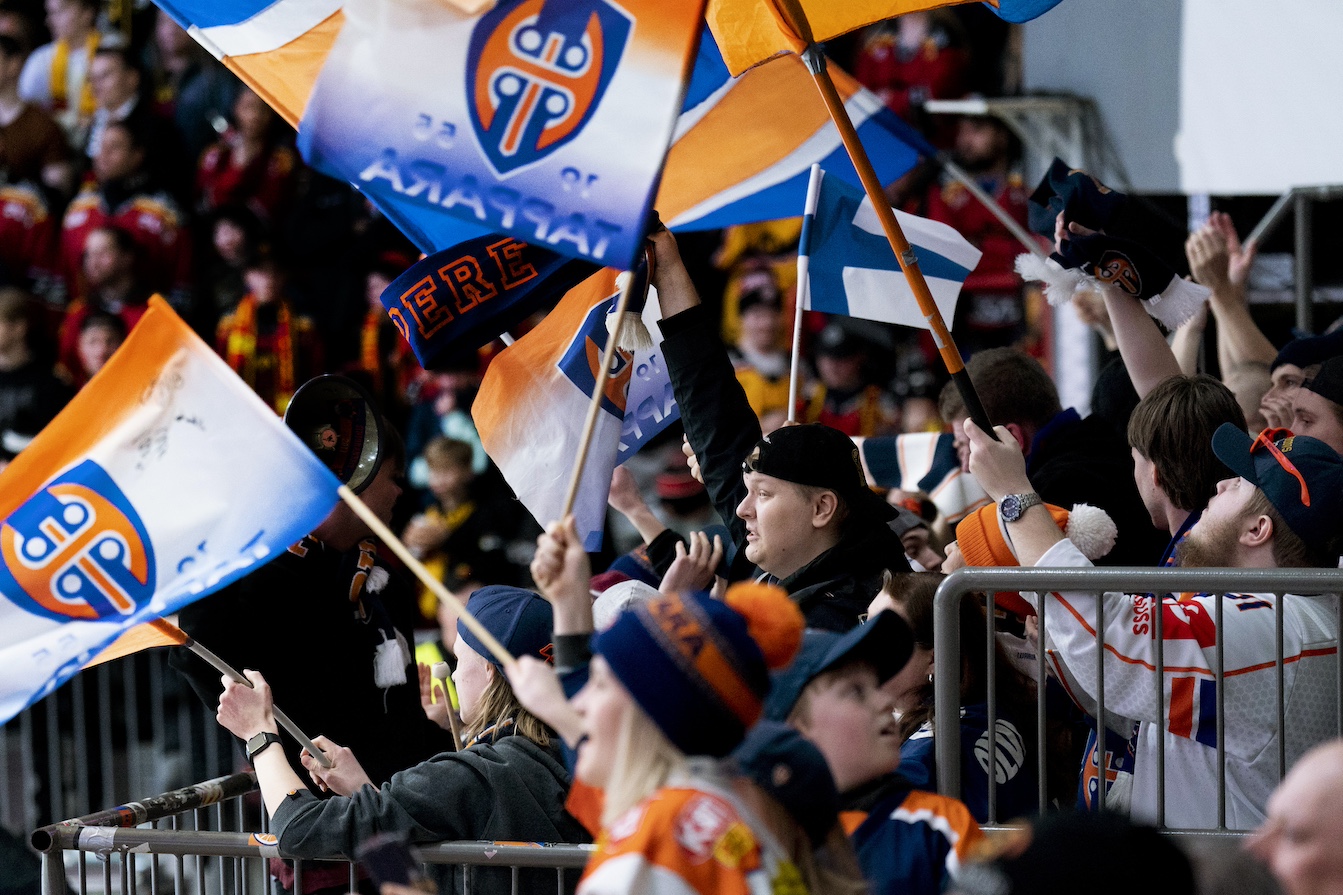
[719, 423]
[1219, 261]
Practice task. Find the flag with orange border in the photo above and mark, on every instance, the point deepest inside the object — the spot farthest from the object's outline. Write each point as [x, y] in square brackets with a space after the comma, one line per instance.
[164, 479]
[740, 150]
[531, 407]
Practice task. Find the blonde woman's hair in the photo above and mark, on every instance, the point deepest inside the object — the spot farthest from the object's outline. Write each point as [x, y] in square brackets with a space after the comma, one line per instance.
[644, 761]
[497, 705]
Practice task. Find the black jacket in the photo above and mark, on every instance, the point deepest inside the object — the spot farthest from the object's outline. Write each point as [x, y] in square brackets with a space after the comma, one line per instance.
[834, 589]
[292, 620]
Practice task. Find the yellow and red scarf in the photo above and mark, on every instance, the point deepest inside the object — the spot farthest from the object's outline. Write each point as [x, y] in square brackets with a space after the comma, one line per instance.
[242, 348]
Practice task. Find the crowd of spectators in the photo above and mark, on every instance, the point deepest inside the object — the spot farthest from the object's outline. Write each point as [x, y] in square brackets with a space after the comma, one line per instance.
[130, 168]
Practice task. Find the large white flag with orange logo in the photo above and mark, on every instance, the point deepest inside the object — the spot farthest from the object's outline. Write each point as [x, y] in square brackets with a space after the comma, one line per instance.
[164, 479]
[535, 397]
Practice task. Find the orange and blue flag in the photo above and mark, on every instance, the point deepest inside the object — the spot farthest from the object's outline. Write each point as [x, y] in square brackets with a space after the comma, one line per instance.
[164, 479]
[754, 31]
[740, 149]
[543, 383]
[546, 120]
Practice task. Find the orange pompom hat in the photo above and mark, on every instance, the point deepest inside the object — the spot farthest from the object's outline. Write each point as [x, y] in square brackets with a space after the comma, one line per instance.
[774, 621]
[983, 541]
[699, 668]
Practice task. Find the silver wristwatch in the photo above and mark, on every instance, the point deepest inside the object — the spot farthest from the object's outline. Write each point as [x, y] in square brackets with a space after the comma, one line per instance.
[1013, 506]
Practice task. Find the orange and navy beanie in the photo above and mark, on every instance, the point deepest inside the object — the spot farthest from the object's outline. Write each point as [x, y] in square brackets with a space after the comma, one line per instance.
[700, 668]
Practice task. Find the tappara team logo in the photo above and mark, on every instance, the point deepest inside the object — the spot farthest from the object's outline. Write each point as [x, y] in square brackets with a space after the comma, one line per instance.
[583, 358]
[537, 70]
[77, 550]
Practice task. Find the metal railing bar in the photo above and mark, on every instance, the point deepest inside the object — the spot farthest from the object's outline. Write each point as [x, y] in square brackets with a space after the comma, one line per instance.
[1219, 675]
[992, 685]
[1130, 580]
[1158, 631]
[1041, 725]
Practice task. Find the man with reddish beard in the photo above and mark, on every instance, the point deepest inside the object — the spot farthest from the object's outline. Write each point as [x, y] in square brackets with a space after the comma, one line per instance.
[1281, 511]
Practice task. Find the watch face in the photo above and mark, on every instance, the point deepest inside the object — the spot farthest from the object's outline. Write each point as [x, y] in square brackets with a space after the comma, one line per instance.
[1011, 507]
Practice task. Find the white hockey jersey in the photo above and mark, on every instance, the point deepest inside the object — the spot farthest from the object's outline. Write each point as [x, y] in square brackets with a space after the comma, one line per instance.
[1188, 723]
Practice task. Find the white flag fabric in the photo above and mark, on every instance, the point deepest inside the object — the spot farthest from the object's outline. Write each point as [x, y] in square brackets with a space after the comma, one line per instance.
[164, 479]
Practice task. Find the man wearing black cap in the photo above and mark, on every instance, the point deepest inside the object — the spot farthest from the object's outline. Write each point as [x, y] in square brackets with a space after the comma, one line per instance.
[327, 625]
[1285, 509]
[797, 503]
[1317, 406]
[845, 398]
[1298, 361]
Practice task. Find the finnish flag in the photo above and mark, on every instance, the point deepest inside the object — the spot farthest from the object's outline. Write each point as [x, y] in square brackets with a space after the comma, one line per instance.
[846, 265]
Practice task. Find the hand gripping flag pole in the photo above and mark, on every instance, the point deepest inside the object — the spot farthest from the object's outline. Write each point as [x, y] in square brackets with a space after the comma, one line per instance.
[617, 323]
[791, 12]
[181, 638]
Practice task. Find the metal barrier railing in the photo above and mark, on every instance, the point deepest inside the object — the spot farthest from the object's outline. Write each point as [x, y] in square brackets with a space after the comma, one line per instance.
[118, 837]
[113, 732]
[1096, 582]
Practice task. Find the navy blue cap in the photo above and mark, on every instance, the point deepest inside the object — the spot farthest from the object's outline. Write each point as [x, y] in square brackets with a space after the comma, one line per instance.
[786, 765]
[1301, 476]
[885, 641]
[520, 620]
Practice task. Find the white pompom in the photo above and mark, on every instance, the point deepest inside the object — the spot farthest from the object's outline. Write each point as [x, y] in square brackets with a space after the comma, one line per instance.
[377, 580]
[1091, 530]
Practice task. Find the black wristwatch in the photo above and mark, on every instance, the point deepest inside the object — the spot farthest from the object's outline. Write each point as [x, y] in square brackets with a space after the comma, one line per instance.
[260, 743]
[1013, 506]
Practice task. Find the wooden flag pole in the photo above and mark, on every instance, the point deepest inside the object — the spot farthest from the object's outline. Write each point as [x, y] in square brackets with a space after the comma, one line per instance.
[598, 392]
[182, 638]
[909, 262]
[426, 577]
[792, 13]
[803, 292]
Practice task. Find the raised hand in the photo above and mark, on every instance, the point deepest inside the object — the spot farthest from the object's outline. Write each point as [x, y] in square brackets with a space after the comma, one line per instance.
[693, 570]
[537, 688]
[562, 573]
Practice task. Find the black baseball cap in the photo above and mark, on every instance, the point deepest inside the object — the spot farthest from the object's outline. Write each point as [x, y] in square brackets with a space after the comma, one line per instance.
[1328, 382]
[884, 640]
[820, 457]
[1301, 476]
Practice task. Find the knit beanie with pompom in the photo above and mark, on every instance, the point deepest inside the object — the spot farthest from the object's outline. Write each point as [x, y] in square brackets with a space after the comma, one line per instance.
[699, 667]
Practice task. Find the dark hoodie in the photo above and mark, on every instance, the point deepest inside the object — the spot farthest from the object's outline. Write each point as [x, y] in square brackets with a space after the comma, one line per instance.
[835, 588]
[511, 789]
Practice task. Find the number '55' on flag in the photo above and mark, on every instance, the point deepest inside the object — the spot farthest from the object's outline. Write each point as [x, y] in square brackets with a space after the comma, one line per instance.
[846, 266]
[163, 480]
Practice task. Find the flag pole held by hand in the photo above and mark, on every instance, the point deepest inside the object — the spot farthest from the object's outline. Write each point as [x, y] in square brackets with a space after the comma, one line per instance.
[426, 577]
[182, 638]
[617, 321]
